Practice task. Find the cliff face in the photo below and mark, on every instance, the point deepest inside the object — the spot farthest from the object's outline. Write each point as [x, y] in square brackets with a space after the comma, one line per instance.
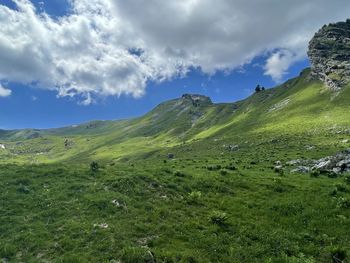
[329, 52]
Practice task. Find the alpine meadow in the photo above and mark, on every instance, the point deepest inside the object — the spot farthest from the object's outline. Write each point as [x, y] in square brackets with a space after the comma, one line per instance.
[261, 179]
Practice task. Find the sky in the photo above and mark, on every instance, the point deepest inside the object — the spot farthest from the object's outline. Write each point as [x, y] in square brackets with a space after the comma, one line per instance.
[64, 62]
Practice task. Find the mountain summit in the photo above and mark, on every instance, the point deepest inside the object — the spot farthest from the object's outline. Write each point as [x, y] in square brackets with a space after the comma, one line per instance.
[197, 100]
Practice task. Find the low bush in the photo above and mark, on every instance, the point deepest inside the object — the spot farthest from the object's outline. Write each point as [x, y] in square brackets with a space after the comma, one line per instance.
[94, 166]
[179, 174]
[338, 255]
[194, 197]
[343, 202]
[231, 167]
[215, 167]
[347, 179]
[218, 218]
[223, 172]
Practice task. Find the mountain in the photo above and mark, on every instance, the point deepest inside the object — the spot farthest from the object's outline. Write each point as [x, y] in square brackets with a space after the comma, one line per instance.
[299, 105]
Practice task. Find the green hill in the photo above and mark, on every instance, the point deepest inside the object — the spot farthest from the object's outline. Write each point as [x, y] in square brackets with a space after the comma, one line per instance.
[295, 107]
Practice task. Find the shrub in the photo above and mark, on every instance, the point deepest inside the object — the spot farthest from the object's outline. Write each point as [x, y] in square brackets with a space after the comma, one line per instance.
[338, 255]
[215, 167]
[257, 89]
[343, 202]
[278, 186]
[334, 192]
[347, 179]
[179, 174]
[218, 218]
[94, 166]
[315, 173]
[231, 167]
[194, 197]
[331, 174]
[341, 188]
[23, 189]
[223, 172]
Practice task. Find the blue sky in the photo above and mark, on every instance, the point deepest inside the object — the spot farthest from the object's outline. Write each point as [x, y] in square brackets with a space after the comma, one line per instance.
[36, 108]
[226, 68]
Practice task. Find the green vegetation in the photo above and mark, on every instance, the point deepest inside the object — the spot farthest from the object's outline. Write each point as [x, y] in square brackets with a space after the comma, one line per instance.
[188, 182]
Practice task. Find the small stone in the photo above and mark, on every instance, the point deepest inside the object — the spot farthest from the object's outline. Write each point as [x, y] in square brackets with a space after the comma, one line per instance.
[102, 225]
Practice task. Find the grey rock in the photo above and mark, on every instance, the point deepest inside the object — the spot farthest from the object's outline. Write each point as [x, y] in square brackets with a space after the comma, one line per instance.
[301, 169]
[338, 164]
[231, 147]
[278, 168]
[337, 170]
[197, 100]
[323, 164]
[309, 147]
[171, 156]
[329, 53]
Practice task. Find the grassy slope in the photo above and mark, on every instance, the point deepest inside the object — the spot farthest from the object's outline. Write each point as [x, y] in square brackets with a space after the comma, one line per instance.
[168, 206]
[295, 107]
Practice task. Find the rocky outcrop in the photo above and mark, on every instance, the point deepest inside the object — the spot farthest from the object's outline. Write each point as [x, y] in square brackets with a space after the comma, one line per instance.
[197, 100]
[329, 53]
[337, 164]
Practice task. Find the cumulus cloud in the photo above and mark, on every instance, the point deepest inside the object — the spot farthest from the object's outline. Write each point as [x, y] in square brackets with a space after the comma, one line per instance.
[278, 63]
[115, 47]
[5, 92]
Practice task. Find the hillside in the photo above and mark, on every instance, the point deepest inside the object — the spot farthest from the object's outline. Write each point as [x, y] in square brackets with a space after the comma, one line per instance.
[295, 107]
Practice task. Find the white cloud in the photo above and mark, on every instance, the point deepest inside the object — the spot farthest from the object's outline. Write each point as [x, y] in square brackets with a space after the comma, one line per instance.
[115, 47]
[278, 63]
[5, 92]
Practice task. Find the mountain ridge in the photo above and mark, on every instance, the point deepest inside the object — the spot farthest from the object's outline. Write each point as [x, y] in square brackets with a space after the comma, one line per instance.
[296, 106]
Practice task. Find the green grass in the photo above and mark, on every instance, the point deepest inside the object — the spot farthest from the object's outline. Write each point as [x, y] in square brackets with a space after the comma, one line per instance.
[207, 204]
[178, 210]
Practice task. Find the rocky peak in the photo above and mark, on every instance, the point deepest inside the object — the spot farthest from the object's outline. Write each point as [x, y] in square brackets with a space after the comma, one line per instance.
[329, 53]
[197, 100]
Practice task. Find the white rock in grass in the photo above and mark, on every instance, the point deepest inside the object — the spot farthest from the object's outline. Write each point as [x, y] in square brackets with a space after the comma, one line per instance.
[116, 203]
[102, 225]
